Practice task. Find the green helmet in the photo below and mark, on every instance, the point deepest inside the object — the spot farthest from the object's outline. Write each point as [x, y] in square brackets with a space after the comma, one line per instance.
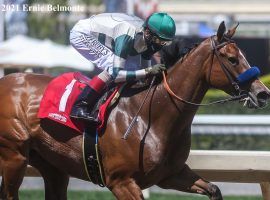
[162, 25]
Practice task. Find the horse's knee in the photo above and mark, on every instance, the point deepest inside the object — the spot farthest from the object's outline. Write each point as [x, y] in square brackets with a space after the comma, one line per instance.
[214, 192]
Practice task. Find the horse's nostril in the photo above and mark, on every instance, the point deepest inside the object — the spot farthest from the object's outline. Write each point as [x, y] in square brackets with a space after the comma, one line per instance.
[263, 95]
[262, 98]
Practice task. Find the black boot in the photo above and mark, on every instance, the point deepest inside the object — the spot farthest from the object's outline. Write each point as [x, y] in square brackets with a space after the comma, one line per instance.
[84, 104]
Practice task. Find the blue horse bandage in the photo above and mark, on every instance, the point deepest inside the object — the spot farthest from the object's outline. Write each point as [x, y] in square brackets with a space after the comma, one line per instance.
[248, 75]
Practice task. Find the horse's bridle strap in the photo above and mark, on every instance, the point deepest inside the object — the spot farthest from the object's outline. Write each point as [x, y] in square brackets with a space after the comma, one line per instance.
[225, 69]
[223, 66]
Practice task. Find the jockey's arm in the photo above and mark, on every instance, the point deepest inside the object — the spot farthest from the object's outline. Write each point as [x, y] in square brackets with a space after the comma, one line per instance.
[145, 62]
[119, 74]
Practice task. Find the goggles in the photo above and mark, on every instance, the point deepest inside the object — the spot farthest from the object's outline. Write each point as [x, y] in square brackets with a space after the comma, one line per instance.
[161, 42]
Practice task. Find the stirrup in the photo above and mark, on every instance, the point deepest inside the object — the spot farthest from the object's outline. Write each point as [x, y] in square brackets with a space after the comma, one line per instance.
[87, 119]
[91, 121]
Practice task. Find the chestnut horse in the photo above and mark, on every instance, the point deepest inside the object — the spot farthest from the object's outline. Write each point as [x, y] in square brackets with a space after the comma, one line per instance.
[159, 142]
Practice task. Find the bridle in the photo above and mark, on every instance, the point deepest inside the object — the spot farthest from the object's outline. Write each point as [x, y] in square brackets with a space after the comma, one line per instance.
[240, 94]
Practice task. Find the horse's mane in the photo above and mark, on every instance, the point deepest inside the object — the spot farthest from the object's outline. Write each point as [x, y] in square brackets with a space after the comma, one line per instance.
[177, 50]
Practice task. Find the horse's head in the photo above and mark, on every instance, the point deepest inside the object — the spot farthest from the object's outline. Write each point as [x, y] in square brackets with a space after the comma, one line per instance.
[230, 71]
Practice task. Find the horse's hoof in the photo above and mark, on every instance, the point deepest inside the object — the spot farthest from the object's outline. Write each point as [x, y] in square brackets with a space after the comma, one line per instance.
[215, 192]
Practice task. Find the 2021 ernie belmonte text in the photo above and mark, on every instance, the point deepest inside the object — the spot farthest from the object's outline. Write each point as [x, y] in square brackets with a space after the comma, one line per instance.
[40, 8]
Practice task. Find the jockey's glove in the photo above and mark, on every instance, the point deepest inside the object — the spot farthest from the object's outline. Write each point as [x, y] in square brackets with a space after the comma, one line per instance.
[155, 69]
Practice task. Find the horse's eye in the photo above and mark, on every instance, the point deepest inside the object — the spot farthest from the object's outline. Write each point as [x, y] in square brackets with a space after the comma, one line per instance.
[233, 60]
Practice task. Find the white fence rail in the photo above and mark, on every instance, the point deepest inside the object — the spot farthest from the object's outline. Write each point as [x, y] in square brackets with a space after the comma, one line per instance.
[231, 124]
[233, 166]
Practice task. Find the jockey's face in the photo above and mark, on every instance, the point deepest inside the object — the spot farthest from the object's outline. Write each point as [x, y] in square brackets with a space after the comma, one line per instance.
[153, 39]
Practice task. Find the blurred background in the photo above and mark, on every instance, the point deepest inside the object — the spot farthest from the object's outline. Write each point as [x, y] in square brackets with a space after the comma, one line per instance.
[34, 38]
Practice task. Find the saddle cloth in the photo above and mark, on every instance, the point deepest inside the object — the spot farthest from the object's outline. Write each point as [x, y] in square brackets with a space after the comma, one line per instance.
[59, 97]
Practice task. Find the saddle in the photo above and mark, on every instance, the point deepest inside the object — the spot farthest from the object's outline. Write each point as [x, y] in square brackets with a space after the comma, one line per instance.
[62, 92]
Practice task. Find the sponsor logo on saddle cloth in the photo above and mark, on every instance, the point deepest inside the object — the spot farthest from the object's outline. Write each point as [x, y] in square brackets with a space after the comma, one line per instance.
[60, 95]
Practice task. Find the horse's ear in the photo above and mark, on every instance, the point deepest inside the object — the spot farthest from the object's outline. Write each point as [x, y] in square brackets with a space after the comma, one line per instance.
[221, 30]
[231, 32]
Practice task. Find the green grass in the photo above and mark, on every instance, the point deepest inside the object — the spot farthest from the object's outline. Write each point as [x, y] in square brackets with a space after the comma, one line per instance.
[84, 195]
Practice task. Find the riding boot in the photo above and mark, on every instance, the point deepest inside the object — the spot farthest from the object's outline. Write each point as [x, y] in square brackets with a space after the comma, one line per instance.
[82, 108]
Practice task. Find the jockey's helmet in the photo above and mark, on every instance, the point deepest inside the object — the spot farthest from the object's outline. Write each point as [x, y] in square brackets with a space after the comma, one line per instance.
[162, 25]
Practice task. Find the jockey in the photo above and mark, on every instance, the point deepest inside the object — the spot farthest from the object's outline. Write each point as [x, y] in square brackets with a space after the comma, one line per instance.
[107, 40]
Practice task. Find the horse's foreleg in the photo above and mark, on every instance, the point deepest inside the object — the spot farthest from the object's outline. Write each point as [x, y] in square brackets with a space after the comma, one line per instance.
[55, 181]
[188, 181]
[13, 166]
[126, 190]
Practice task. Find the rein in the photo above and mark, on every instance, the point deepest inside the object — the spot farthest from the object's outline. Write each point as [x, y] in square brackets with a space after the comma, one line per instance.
[167, 87]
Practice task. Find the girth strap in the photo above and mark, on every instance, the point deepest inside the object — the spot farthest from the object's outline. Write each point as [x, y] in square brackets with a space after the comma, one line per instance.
[91, 159]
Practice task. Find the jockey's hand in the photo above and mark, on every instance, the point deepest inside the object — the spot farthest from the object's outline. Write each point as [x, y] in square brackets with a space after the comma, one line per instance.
[155, 70]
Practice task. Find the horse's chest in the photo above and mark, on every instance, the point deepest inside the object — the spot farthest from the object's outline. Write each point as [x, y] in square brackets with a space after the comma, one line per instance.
[160, 157]
[153, 151]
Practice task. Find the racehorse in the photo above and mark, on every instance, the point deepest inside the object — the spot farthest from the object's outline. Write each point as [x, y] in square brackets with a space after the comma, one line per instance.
[159, 142]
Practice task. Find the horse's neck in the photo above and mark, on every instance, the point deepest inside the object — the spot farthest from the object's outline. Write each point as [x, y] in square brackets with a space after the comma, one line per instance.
[187, 80]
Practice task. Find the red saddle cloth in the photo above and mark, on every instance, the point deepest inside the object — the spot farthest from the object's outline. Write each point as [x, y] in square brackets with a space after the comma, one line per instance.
[59, 97]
